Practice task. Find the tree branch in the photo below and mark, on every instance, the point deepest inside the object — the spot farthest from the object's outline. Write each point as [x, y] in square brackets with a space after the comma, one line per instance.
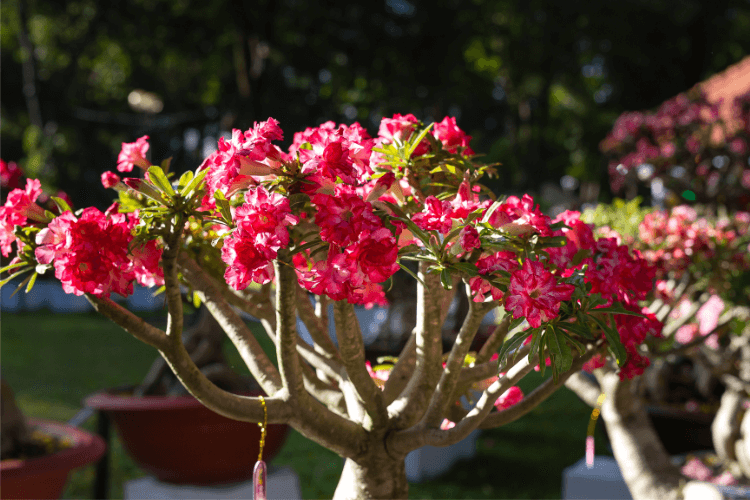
[248, 347]
[408, 407]
[352, 349]
[317, 328]
[441, 398]
[402, 370]
[246, 409]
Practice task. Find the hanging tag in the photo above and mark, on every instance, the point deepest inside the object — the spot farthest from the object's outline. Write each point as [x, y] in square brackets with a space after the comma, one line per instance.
[259, 472]
[259, 480]
[590, 433]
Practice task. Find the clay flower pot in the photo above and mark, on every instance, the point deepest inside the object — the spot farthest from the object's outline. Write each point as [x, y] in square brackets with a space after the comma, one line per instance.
[180, 441]
[45, 476]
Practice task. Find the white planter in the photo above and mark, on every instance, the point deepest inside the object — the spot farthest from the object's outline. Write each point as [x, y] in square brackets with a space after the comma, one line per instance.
[428, 462]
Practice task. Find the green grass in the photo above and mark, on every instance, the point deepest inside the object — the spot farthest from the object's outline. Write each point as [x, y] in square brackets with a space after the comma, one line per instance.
[54, 361]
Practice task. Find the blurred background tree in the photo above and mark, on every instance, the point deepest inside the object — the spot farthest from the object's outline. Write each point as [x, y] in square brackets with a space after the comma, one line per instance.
[537, 83]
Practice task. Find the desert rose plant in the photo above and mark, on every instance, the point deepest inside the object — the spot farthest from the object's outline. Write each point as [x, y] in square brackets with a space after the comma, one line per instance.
[702, 263]
[284, 234]
[686, 150]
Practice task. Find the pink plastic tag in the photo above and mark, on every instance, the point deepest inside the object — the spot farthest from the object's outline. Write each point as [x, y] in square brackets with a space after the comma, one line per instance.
[259, 480]
[590, 452]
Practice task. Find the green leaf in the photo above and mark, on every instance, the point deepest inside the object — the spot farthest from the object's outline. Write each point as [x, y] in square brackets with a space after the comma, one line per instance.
[196, 300]
[62, 205]
[307, 245]
[613, 339]
[562, 355]
[512, 344]
[158, 179]
[617, 308]
[223, 205]
[467, 268]
[165, 164]
[549, 338]
[535, 343]
[416, 140]
[13, 266]
[445, 279]
[17, 273]
[411, 273]
[31, 282]
[576, 328]
[185, 180]
[187, 190]
[21, 285]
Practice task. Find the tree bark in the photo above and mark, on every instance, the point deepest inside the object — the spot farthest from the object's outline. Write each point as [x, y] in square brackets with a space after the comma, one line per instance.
[643, 460]
[375, 475]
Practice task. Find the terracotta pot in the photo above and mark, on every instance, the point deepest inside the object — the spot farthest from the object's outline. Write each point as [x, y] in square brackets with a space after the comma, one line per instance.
[179, 440]
[45, 477]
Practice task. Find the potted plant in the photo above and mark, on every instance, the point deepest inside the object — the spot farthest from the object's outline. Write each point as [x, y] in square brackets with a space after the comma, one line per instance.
[700, 255]
[265, 231]
[38, 455]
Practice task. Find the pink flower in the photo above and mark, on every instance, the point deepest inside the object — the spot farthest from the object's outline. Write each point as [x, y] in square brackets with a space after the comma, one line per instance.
[90, 254]
[696, 469]
[110, 179]
[468, 239]
[10, 175]
[398, 128]
[377, 253]
[452, 137]
[535, 294]
[245, 261]
[519, 216]
[133, 153]
[436, 216]
[708, 314]
[342, 217]
[146, 258]
[511, 397]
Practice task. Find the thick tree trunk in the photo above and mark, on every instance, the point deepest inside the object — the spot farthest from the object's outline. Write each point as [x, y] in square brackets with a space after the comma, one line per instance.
[375, 475]
[643, 460]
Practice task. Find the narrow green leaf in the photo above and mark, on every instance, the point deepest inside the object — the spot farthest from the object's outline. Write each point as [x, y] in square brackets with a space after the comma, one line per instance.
[187, 190]
[31, 282]
[61, 204]
[613, 339]
[550, 338]
[165, 164]
[223, 205]
[512, 344]
[446, 280]
[21, 285]
[14, 275]
[614, 309]
[13, 266]
[417, 140]
[196, 300]
[563, 355]
[411, 273]
[158, 179]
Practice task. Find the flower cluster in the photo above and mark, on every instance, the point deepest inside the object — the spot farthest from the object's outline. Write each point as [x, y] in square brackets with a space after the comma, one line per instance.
[90, 253]
[687, 146]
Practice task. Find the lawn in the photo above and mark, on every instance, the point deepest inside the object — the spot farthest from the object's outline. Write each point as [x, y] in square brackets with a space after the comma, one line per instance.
[53, 361]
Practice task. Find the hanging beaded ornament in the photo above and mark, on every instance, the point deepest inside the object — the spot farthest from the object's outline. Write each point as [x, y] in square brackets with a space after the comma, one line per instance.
[259, 473]
[590, 433]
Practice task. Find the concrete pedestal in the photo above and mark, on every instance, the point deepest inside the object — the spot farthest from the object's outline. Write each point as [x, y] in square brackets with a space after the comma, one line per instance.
[283, 483]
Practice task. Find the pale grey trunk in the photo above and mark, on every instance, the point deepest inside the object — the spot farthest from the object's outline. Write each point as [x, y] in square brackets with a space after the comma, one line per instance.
[375, 475]
[643, 460]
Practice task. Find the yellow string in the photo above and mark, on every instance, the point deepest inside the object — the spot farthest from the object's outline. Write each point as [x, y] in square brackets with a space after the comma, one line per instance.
[595, 414]
[262, 428]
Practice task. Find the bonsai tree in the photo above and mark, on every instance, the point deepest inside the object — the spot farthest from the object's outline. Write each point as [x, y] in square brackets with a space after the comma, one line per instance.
[686, 149]
[282, 235]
